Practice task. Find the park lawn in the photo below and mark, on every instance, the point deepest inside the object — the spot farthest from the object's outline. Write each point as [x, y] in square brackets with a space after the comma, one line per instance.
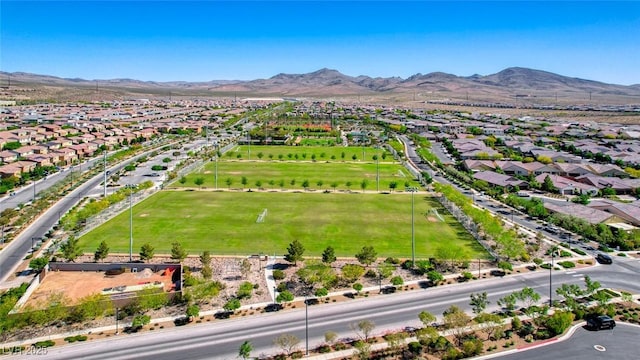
[305, 153]
[279, 175]
[225, 223]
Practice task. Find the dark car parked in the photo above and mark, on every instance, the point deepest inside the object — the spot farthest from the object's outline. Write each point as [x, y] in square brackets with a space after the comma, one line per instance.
[604, 258]
[601, 322]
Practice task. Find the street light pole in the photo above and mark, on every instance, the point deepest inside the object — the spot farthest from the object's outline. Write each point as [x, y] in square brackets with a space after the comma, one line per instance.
[117, 313]
[104, 192]
[377, 173]
[550, 270]
[413, 234]
[306, 325]
[217, 155]
[130, 224]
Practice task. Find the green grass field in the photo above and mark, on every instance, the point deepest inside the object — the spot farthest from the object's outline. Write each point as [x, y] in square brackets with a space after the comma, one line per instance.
[225, 223]
[279, 175]
[322, 153]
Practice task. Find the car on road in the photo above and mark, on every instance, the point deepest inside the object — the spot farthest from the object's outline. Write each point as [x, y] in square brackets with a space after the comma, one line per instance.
[604, 258]
[600, 322]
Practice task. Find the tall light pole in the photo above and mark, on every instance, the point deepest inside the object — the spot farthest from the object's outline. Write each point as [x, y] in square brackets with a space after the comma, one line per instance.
[306, 325]
[217, 155]
[377, 173]
[412, 190]
[131, 223]
[34, 190]
[553, 252]
[104, 192]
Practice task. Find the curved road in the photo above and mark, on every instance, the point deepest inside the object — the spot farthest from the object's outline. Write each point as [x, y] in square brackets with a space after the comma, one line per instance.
[222, 338]
[11, 255]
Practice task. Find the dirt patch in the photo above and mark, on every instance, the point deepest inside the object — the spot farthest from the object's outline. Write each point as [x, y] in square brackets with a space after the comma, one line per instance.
[75, 285]
[143, 215]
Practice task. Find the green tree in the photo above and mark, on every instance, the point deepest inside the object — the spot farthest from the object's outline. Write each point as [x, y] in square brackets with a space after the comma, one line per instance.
[363, 184]
[287, 342]
[393, 185]
[205, 258]
[244, 181]
[385, 270]
[367, 255]
[198, 181]
[39, 263]
[70, 249]
[328, 255]
[182, 180]
[178, 252]
[456, 320]
[102, 252]
[559, 322]
[259, 184]
[146, 252]
[284, 296]
[426, 318]
[229, 181]
[479, 302]
[334, 185]
[245, 350]
[294, 252]
[305, 184]
[357, 287]
[192, 311]
[232, 305]
[547, 185]
[363, 329]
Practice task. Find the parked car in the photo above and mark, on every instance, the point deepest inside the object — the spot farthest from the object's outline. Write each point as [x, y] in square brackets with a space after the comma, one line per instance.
[600, 322]
[604, 258]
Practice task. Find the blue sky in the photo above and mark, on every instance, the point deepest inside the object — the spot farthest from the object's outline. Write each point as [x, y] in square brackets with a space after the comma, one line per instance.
[213, 40]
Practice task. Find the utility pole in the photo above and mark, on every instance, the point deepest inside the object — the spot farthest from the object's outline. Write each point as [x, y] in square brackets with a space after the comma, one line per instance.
[104, 161]
[412, 190]
[131, 223]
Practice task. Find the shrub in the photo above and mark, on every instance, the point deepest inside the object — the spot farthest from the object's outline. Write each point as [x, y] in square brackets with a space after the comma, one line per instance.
[505, 265]
[371, 274]
[71, 339]
[44, 344]
[567, 264]
[578, 251]
[324, 349]
[538, 261]
[397, 281]
[278, 274]
[546, 266]
[392, 260]
[415, 347]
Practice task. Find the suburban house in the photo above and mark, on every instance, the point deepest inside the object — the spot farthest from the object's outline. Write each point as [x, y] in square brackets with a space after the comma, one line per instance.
[630, 213]
[567, 186]
[505, 181]
[591, 215]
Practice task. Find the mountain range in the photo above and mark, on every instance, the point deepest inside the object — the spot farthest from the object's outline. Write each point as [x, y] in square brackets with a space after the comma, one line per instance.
[514, 82]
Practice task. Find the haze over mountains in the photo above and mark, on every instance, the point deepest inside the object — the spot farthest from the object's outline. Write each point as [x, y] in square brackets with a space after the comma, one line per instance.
[506, 84]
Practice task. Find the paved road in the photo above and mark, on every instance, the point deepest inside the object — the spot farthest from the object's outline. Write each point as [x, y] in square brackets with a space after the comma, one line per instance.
[619, 344]
[221, 339]
[11, 255]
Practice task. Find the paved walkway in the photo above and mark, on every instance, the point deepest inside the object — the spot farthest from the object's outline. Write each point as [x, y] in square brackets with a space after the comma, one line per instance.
[268, 273]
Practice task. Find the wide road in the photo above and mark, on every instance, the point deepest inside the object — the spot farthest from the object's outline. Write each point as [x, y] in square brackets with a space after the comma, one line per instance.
[222, 338]
[14, 252]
